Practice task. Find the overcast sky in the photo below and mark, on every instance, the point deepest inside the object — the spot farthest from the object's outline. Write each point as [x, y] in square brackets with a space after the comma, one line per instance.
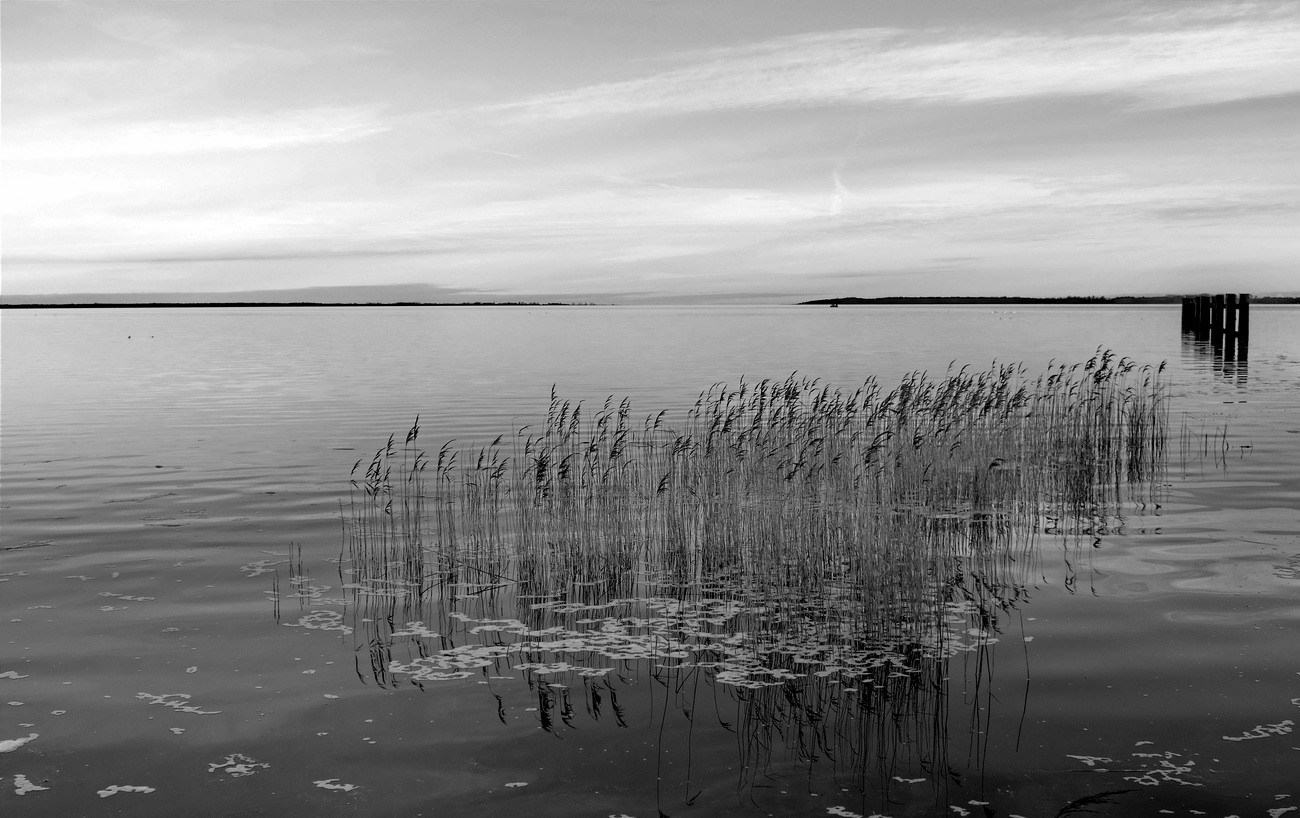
[635, 149]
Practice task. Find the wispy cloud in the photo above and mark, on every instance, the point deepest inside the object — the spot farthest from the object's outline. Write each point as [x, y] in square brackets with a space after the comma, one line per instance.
[1205, 59]
[213, 134]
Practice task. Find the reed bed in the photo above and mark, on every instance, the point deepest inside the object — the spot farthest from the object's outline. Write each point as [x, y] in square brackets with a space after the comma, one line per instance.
[791, 487]
[822, 553]
[844, 519]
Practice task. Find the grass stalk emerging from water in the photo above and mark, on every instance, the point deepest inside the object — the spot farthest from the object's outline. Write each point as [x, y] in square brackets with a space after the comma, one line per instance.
[820, 552]
[865, 503]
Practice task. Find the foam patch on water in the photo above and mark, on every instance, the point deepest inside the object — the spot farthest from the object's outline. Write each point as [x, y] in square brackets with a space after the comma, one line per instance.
[22, 785]
[13, 674]
[683, 634]
[305, 589]
[259, 567]
[114, 789]
[8, 745]
[321, 621]
[416, 629]
[177, 702]
[1169, 768]
[1153, 769]
[1264, 731]
[332, 784]
[238, 765]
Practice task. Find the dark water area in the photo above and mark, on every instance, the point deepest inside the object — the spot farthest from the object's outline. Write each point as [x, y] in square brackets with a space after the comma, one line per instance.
[174, 616]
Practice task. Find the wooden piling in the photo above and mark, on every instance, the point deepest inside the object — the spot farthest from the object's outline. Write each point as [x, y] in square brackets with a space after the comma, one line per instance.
[1243, 325]
[1216, 322]
[1223, 321]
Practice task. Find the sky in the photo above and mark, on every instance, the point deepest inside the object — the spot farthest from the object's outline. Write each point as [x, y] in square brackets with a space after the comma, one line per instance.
[640, 151]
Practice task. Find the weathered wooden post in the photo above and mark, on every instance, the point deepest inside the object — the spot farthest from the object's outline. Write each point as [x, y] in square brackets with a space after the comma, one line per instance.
[1230, 327]
[1189, 313]
[1203, 317]
[1216, 322]
[1243, 325]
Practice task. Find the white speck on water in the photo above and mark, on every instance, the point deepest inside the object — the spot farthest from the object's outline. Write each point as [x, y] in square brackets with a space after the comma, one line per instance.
[15, 704]
[330, 784]
[57, 712]
[177, 730]
[517, 784]
[330, 696]
[13, 674]
[902, 780]
[194, 669]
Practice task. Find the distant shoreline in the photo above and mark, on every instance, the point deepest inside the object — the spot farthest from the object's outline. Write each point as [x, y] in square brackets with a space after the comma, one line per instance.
[1015, 299]
[187, 304]
[819, 302]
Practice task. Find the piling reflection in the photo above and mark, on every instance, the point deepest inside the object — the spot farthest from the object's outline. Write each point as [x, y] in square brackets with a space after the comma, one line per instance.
[1203, 356]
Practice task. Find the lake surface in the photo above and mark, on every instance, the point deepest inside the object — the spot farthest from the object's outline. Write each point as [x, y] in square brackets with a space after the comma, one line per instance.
[172, 615]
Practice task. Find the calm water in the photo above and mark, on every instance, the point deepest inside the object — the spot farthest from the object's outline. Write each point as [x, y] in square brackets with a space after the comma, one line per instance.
[162, 467]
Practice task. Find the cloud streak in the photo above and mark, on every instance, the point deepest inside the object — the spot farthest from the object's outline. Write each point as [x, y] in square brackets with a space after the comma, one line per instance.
[288, 129]
[1212, 60]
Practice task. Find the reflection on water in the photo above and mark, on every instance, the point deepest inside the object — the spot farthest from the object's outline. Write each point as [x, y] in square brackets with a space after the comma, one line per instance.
[149, 454]
[1197, 352]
